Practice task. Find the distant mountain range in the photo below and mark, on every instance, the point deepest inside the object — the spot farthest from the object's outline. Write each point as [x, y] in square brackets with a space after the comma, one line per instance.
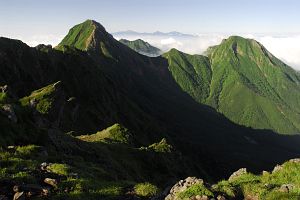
[93, 119]
[121, 34]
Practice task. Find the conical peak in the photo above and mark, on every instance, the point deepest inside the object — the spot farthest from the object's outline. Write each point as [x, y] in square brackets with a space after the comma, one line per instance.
[81, 35]
[96, 25]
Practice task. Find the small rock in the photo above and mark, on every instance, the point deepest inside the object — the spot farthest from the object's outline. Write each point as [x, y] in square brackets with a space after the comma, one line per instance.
[74, 175]
[277, 168]
[33, 103]
[181, 186]
[19, 194]
[11, 149]
[295, 160]
[43, 166]
[8, 110]
[4, 88]
[45, 191]
[50, 181]
[220, 197]
[265, 173]
[198, 197]
[286, 187]
[204, 197]
[237, 173]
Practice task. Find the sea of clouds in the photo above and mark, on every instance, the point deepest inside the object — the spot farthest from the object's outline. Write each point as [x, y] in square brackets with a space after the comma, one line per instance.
[284, 47]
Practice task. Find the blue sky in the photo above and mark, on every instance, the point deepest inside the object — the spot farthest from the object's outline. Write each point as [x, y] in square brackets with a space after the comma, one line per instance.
[189, 16]
[48, 21]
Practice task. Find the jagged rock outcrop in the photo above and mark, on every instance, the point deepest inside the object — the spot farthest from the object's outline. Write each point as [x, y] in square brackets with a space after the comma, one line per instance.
[181, 186]
[8, 110]
[237, 173]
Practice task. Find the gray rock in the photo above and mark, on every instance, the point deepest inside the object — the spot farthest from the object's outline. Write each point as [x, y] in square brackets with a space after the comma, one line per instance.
[220, 197]
[265, 173]
[4, 88]
[198, 197]
[277, 168]
[295, 160]
[50, 181]
[286, 187]
[19, 194]
[237, 173]
[181, 186]
[8, 110]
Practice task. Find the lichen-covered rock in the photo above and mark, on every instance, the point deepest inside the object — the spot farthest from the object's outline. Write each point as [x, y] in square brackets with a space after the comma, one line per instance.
[237, 173]
[286, 187]
[181, 186]
[50, 181]
[277, 168]
[295, 160]
[8, 110]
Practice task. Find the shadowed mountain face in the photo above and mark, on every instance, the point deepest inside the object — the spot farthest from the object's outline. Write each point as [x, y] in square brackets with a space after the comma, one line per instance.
[244, 81]
[90, 81]
[142, 47]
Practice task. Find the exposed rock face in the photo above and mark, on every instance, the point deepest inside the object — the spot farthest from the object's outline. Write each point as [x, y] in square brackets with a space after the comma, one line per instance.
[19, 194]
[181, 186]
[237, 173]
[286, 187]
[295, 160]
[277, 168]
[4, 88]
[50, 181]
[8, 110]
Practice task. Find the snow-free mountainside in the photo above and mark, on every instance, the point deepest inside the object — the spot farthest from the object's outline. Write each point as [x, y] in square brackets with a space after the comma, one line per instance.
[93, 119]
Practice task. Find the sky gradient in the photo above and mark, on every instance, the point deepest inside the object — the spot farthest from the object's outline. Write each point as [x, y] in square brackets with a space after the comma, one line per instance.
[42, 21]
[189, 16]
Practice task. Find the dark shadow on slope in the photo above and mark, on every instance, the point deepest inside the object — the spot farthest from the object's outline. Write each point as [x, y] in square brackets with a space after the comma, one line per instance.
[140, 93]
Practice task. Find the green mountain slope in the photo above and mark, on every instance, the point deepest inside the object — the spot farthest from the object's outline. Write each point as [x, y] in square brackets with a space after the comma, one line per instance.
[65, 101]
[142, 47]
[245, 82]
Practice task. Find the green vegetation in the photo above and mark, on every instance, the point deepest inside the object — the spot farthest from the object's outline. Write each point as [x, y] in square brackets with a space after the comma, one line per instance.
[146, 189]
[194, 190]
[113, 134]
[79, 36]
[242, 80]
[142, 47]
[16, 164]
[102, 82]
[161, 146]
[191, 72]
[42, 99]
[282, 183]
[61, 169]
[3, 97]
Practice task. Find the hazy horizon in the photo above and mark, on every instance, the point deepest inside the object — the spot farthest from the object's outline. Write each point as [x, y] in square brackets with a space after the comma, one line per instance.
[272, 23]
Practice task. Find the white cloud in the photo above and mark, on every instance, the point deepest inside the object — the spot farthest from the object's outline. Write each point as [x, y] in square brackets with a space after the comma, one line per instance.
[34, 40]
[43, 39]
[286, 48]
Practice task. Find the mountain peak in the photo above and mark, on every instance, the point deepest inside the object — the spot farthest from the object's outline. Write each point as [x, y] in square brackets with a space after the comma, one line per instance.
[82, 35]
[238, 46]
